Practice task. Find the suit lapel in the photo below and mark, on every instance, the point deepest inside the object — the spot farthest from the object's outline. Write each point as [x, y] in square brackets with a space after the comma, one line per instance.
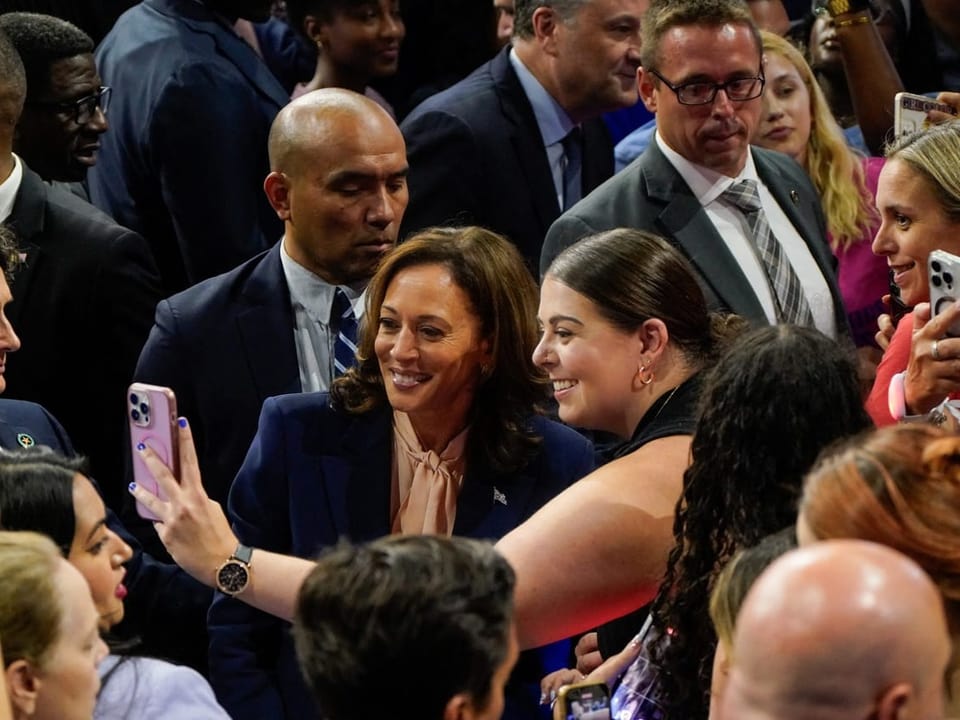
[362, 490]
[490, 504]
[526, 140]
[685, 220]
[267, 340]
[27, 221]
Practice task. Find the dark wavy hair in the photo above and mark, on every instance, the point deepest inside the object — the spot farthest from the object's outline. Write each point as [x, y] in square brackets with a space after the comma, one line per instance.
[778, 397]
[503, 295]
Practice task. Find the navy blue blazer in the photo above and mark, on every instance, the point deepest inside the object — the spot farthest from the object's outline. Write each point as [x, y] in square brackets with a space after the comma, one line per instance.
[186, 155]
[477, 158]
[225, 346]
[165, 607]
[314, 475]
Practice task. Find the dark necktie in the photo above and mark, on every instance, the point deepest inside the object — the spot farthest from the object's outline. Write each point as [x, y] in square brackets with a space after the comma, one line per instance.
[344, 322]
[572, 167]
[792, 305]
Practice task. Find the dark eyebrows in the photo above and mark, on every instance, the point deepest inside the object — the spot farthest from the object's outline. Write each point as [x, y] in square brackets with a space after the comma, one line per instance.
[97, 526]
[344, 177]
[554, 319]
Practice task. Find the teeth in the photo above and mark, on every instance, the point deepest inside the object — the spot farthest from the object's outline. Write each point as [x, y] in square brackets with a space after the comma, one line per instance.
[408, 380]
[563, 384]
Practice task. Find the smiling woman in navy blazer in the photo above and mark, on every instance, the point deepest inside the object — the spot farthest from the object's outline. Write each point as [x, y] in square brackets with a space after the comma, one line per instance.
[434, 431]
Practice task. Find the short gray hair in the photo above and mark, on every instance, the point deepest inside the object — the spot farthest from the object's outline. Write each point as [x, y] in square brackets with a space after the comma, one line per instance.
[523, 13]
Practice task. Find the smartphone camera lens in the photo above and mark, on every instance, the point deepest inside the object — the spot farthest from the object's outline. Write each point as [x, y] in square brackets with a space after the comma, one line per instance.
[948, 278]
[134, 400]
[937, 282]
[144, 408]
[936, 266]
[135, 414]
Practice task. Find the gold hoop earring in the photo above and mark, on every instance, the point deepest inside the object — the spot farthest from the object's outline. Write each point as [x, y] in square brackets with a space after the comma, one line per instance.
[649, 378]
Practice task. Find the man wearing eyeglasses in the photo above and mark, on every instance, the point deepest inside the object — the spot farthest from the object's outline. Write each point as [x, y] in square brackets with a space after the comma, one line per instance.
[64, 115]
[748, 219]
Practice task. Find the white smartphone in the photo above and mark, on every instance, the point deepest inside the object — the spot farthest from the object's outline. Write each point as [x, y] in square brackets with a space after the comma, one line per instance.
[152, 415]
[910, 112]
[943, 272]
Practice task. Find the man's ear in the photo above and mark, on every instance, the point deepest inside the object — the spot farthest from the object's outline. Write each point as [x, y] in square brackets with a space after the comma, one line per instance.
[646, 86]
[894, 703]
[546, 26]
[459, 707]
[23, 686]
[276, 186]
[314, 29]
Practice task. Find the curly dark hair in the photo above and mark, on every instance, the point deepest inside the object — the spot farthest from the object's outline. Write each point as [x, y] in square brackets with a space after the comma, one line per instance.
[778, 397]
[503, 295]
[41, 41]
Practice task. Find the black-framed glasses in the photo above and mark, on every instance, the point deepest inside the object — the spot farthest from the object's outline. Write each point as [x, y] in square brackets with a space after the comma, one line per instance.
[877, 12]
[83, 109]
[704, 93]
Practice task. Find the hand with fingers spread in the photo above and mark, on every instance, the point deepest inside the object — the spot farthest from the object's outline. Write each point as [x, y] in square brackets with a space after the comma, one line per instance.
[192, 527]
[933, 371]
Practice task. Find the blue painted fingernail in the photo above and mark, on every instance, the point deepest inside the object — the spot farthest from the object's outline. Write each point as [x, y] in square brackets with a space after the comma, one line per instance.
[132, 486]
[182, 422]
[141, 447]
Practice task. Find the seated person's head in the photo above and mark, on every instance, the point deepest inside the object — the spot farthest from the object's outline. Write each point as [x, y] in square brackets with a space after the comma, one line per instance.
[728, 594]
[65, 110]
[408, 627]
[900, 487]
[842, 629]
[49, 630]
[43, 492]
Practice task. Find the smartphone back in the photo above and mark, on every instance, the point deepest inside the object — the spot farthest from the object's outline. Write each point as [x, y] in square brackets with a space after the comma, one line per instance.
[910, 112]
[584, 701]
[943, 272]
[152, 417]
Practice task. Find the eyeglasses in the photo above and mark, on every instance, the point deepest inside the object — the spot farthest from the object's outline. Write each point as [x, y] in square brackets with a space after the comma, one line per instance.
[704, 93]
[83, 109]
[819, 8]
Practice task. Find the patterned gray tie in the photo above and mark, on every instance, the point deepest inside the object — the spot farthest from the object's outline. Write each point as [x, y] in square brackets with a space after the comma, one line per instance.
[792, 306]
[572, 167]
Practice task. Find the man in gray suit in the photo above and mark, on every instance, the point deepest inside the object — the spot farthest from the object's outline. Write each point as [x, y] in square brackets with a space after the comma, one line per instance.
[749, 220]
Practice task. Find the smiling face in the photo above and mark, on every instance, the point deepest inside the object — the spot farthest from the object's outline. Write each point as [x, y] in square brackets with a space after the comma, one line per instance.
[50, 139]
[715, 135]
[591, 363]
[430, 348]
[363, 40]
[98, 553]
[913, 224]
[785, 121]
[68, 681]
[597, 53]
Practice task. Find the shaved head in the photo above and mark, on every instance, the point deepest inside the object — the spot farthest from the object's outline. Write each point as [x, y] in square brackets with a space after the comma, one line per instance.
[316, 119]
[841, 629]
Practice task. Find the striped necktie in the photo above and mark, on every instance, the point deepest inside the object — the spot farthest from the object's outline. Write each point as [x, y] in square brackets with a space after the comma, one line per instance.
[344, 322]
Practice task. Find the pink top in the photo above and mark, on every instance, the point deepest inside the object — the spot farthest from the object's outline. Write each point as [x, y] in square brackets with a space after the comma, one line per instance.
[863, 276]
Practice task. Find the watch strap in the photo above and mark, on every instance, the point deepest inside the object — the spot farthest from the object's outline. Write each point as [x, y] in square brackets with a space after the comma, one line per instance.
[243, 553]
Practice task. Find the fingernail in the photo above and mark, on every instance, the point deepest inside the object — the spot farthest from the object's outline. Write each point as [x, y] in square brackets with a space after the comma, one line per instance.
[132, 486]
[543, 698]
[141, 447]
[553, 695]
[182, 422]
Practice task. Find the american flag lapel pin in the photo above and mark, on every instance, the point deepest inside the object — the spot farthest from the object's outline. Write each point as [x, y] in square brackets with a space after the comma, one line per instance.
[499, 497]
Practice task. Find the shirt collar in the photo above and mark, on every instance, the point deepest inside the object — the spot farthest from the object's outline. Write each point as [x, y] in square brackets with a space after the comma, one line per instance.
[553, 121]
[9, 189]
[314, 293]
[706, 184]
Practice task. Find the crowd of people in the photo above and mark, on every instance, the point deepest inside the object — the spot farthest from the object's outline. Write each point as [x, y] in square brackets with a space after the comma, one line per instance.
[710, 459]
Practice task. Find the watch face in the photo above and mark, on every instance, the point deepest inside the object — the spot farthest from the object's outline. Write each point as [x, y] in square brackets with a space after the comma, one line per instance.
[232, 577]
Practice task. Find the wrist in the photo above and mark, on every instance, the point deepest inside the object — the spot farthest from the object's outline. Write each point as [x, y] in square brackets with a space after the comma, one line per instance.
[897, 400]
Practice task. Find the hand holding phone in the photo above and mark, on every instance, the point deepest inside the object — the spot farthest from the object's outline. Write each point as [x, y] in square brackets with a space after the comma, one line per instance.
[910, 112]
[583, 701]
[943, 273]
[152, 416]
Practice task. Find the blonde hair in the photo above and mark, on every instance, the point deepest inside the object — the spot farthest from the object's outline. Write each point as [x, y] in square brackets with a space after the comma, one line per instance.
[30, 610]
[835, 169]
[934, 154]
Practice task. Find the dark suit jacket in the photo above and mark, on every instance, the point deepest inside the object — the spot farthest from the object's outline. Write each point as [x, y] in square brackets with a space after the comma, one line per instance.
[314, 475]
[649, 194]
[225, 346]
[165, 608]
[477, 158]
[82, 307]
[186, 155]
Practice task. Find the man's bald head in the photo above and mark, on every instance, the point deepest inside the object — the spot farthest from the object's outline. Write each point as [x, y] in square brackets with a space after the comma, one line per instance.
[841, 629]
[316, 119]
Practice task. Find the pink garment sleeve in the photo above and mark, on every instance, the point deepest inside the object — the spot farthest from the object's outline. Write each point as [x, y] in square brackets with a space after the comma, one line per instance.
[894, 360]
